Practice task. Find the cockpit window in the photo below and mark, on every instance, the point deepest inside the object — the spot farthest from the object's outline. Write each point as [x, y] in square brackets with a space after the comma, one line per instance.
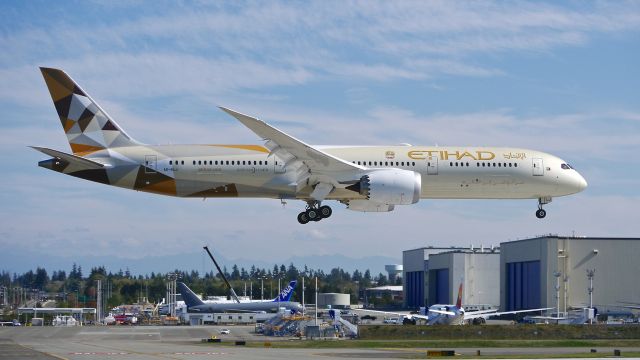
[566, 166]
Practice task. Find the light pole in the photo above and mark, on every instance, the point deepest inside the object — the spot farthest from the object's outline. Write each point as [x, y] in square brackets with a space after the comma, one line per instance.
[557, 275]
[303, 294]
[590, 274]
[262, 288]
[316, 319]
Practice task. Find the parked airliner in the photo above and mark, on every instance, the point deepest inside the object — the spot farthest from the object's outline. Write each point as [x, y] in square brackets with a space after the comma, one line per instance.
[450, 314]
[364, 178]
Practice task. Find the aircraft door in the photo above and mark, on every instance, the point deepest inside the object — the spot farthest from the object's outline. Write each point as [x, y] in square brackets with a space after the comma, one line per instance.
[432, 165]
[279, 167]
[150, 163]
[538, 169]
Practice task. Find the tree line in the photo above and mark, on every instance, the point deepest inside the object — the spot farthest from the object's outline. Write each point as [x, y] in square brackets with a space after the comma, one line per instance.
[122, 287]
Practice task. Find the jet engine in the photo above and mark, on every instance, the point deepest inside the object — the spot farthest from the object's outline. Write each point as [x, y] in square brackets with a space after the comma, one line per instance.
[390, 187]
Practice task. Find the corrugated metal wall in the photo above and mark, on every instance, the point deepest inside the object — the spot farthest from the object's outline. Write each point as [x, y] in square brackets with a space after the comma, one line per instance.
[523, 285]
[442, 287]
[414, 288]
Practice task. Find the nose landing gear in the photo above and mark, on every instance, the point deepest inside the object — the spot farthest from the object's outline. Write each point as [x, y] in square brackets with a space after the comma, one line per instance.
[541, 213]
[314, 212]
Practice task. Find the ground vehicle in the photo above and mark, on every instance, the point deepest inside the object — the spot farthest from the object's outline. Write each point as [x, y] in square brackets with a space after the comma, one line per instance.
[225, 331]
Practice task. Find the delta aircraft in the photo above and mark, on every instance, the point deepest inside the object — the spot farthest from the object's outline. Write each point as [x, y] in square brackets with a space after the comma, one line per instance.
[364, 178]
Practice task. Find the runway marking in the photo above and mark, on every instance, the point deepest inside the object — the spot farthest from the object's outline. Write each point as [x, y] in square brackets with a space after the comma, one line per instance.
[98, 353]
[91, 353]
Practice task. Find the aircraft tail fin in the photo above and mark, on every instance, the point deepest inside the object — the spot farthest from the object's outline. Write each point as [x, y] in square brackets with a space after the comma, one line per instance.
[188, 296]
[88, 127]
[459, 301]
[286, 293]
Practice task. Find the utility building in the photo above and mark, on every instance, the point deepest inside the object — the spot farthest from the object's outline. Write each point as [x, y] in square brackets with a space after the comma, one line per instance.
[552, 271]
[476, 270]
[433, 277]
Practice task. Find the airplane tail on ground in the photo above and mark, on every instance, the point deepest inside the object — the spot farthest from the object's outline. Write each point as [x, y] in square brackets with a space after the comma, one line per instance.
[188, 296]
[88, 127]
[286, 293]
[459, 301]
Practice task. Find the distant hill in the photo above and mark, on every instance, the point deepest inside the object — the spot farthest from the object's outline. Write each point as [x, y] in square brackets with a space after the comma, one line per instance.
[20, 262]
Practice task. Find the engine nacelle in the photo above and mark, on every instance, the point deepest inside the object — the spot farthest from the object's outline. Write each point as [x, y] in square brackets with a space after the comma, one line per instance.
[368, 206]
[390, 187]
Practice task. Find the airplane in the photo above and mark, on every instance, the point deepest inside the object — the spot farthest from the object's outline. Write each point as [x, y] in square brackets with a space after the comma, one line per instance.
[451, 314]
[195, 304]
[364, 178]
[284, 296]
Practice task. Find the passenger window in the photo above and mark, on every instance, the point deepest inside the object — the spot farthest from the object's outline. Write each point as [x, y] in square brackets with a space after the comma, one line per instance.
[467, 164]
[182, 162]
[509, 164]
[450, 163]
[414, 163]
[170, 162]
[194, 162]
[499, 165]
[515, 165]
[483, 164]
[260, 162]
[456, 163]
[402, 163]
[266, 163]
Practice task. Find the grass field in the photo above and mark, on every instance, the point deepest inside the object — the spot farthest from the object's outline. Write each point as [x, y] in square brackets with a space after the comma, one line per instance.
[434, 344]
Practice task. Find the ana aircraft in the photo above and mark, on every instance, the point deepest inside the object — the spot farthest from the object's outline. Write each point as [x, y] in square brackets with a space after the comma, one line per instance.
[364, 178]
[195, 304]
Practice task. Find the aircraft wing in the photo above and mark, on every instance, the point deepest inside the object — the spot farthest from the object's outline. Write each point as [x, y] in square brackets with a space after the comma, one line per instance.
[307, 160]
[491, 313]
[450, 313]
[417, 316]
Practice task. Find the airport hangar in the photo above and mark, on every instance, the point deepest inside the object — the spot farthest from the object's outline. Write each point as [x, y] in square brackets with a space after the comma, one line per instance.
[523, 274]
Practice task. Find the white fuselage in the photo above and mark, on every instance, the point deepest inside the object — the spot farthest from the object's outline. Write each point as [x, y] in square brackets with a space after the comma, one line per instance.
[446, 172]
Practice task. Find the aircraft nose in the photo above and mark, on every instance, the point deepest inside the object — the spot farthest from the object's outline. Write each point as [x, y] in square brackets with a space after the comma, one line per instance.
[581, 182]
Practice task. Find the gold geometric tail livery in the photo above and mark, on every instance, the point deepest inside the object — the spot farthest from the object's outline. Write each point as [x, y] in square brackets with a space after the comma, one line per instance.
[364, 178]
[87, 126]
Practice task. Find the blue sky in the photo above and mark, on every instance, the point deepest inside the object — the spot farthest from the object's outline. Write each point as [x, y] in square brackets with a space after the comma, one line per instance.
[561, 77]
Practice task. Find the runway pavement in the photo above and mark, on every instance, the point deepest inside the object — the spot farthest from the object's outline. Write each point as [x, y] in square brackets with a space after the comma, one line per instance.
[183, 342]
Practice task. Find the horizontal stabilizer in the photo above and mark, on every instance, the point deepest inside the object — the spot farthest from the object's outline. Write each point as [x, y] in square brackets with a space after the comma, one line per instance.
[72, 159]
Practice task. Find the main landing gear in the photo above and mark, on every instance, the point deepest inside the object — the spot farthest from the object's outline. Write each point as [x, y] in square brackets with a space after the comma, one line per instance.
[314, 212]
[541, 213]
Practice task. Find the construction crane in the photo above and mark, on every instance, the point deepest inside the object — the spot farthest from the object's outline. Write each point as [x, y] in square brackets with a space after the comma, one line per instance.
[233, 293]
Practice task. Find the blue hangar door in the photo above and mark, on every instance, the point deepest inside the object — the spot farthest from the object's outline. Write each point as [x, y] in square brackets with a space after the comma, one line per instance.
[523, 285]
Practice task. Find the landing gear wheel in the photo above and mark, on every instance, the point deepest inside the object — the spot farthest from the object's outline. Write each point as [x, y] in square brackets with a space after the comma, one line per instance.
[313, 215]
[540, 213]
[302, 218]
[325, 211]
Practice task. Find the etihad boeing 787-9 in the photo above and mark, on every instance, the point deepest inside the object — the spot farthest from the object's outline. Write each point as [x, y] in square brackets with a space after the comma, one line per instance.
[364, 178]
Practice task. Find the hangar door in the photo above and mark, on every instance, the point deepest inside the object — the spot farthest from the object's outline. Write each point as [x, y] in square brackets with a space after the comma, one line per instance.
[523, 285]
[442, 287]
[415, 289]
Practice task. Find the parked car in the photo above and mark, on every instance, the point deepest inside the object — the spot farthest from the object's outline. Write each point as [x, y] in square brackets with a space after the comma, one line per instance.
[368, 317]
[225, 331]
